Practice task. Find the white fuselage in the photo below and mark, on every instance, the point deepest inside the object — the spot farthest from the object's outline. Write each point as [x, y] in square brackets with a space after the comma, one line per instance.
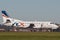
[37, 24]
[24, 24]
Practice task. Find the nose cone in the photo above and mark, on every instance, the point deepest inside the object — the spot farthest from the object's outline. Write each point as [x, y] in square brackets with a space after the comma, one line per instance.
[54, 26]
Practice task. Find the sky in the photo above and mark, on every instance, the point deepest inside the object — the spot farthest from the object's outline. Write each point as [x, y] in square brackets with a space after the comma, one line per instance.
[32, 10]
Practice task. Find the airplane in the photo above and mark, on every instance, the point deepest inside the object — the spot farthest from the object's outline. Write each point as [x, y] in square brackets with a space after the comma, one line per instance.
[7, 20]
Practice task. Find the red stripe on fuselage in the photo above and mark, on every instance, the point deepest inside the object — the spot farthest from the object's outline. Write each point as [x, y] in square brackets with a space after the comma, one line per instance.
[21, 24]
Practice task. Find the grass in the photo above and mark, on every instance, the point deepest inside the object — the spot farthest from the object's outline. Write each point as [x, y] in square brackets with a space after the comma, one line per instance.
[29, 36]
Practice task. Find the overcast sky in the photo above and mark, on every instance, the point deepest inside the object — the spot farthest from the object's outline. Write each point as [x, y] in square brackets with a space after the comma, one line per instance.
[41, 10]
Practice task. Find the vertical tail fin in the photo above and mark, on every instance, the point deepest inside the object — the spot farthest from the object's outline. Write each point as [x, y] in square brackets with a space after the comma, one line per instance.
[4, 14]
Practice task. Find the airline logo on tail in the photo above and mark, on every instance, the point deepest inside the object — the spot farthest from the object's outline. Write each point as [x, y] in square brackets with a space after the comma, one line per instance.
[7, 19]
[4, 14]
